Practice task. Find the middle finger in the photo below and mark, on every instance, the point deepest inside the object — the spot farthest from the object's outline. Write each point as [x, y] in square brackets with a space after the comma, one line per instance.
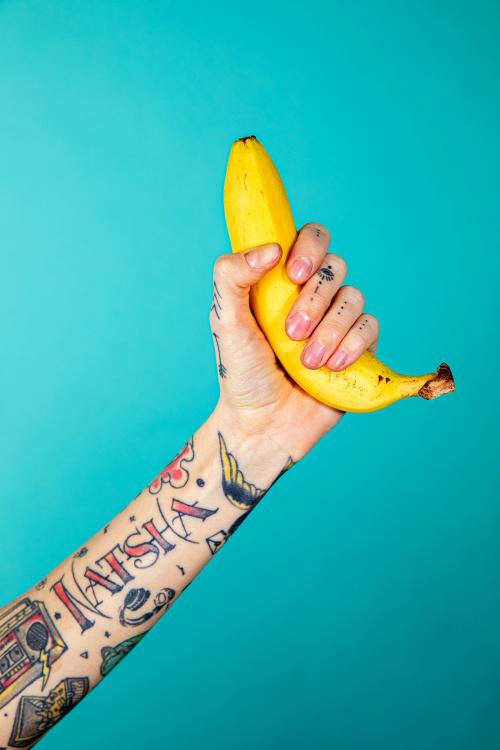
[315, 297]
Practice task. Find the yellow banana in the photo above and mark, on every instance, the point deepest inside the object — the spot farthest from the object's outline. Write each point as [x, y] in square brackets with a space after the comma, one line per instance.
[257, 212]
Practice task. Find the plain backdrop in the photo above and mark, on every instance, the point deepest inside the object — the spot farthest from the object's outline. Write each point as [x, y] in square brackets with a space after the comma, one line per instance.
[358, 608]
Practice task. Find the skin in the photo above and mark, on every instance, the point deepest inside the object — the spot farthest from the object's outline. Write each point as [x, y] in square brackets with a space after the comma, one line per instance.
[70, 630]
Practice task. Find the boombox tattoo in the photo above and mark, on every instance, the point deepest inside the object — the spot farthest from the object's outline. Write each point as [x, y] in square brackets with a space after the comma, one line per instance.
[29, 645]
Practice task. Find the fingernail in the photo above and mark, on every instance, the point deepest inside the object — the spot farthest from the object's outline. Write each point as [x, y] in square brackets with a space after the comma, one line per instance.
[298, 324]
[300, 269]
[338, 360]
[262, 256]
[313, 354]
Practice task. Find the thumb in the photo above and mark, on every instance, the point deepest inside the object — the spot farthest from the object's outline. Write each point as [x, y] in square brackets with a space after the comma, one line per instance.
[235, 273]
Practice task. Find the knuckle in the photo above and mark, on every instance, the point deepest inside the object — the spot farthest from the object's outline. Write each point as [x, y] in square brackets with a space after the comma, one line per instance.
[355, 295]
[334, 329]
[223, 266]
[373, 322]
[357, 341]
[319, 230]
[340, 264]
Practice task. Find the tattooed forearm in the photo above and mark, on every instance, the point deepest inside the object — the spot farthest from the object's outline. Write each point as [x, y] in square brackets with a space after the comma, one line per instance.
[95, 608]
[29, 645]
[35, 715]
[238, 491]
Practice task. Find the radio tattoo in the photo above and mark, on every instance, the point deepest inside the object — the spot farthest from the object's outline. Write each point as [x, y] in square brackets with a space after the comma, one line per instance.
[29, 645]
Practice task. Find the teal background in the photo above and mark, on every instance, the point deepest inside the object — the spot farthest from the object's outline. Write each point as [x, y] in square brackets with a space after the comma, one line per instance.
[358, 607]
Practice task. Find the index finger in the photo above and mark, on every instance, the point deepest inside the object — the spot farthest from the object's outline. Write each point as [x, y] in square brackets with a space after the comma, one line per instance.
[308, 252]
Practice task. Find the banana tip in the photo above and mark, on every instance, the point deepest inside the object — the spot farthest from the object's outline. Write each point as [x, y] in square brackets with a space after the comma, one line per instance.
[247, 138]
[441, 383]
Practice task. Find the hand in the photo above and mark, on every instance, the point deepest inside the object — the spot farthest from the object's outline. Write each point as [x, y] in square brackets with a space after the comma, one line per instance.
[255, 392]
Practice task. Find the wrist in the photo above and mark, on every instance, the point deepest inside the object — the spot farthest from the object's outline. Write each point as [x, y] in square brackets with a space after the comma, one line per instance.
[260, 457]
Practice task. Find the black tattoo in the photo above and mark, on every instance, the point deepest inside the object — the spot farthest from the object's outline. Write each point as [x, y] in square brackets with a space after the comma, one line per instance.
[216, 301]
[216, 541]
[112, 655]
[290, 463]
[137, 598]
[29, 645]
[84, 654]
[200, 482]
[37, 714]
[237, 490]
[325, 274]
[183, 572]
[222, 369]
[41, 584]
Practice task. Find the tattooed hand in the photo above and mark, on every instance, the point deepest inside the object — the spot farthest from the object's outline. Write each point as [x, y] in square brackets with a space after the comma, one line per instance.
[255, 392]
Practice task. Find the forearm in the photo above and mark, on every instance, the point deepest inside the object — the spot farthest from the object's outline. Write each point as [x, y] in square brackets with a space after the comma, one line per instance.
[60, 639]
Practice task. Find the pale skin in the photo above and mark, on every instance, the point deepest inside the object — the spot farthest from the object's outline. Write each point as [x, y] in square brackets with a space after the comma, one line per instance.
[64, 635]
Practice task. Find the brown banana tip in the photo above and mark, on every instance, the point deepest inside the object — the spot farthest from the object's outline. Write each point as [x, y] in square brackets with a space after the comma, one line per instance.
[441, 383]
[247, 138]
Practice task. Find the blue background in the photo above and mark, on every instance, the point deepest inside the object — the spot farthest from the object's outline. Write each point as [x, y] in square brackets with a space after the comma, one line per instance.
[356, 608]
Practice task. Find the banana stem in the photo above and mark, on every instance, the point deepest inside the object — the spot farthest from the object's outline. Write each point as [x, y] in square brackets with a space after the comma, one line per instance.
[440, 384]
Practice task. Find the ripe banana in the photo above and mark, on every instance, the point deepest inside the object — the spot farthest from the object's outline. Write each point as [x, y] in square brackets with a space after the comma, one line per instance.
[257, 212]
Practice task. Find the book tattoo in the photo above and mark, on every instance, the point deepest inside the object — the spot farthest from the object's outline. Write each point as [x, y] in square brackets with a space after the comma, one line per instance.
[37, 714]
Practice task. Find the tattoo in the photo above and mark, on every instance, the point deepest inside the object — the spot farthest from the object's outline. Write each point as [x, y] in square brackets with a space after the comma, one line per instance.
[325, 274]
[112, 655]
[175, 473]
[200, 482]
[29, 645]
[41, 584]
[216, 541]
[288, 465]
[37, 714]
[216, 301]
[221, 368]
[136, 598]
[238, 491]
[141, 549]
[342, 307]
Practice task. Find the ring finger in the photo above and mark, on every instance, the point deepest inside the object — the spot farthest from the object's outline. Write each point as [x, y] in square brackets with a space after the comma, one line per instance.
[362, 337]
[345, 310]
[315, 297]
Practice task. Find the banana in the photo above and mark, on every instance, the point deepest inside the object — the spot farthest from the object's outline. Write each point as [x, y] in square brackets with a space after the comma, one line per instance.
[257, 211]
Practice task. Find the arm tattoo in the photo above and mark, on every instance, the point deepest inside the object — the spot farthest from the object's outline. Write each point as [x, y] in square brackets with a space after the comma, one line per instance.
[35, 715]
[29, 645]
[175, 473]
[237, 490]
